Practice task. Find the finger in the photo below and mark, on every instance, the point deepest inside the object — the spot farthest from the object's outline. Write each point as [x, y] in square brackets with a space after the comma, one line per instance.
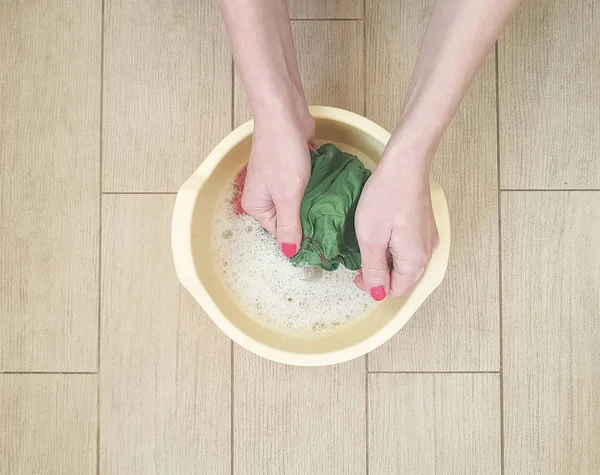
[408, 269]
[264, 212]
[359, 281]
[406, 273]
[289, 228]
[375, 270]
[402, 282]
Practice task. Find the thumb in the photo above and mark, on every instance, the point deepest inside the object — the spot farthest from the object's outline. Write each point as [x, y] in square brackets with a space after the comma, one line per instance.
[289, 228]
[375, 270]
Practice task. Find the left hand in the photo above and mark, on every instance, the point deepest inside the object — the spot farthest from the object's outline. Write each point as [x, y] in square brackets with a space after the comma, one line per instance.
[395, 225]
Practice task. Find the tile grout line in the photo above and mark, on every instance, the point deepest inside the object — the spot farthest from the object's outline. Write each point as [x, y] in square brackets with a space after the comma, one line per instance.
[326, 19]
[509, 190]
[100, 184]
[139, 192]
[364, 58]
[48, 372]
[232, 93]
[231, 375]
[434, 372]
[499, 259]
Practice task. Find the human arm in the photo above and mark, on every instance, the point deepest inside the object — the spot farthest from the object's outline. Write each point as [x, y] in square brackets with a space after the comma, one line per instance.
[260, 35]
[394, 218]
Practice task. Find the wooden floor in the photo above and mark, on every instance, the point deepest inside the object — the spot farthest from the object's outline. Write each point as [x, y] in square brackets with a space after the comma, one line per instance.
[107, 366]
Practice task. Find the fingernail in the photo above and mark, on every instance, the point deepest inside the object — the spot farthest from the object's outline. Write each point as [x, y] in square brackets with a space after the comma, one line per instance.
[289, 250]
[378, 293]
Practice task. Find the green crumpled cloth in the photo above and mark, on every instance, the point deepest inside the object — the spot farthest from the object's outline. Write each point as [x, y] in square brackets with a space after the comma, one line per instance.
[328, 208]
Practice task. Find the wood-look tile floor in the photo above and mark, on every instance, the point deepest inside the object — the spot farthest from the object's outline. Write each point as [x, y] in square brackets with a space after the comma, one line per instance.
[107, 366]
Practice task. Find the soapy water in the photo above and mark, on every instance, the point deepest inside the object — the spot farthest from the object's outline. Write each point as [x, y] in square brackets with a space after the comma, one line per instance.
[269, 288]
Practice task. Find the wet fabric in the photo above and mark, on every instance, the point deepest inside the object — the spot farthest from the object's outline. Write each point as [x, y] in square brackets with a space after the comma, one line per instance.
[328, 209]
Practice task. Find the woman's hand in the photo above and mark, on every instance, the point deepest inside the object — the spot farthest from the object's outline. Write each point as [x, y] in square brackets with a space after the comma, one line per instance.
[395, 226]
[278, 172]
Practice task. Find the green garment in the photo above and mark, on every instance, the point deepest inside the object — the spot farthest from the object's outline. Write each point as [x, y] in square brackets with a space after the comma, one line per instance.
[328, 208]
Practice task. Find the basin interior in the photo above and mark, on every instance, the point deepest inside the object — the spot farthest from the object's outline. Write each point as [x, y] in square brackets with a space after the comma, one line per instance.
[289, 341]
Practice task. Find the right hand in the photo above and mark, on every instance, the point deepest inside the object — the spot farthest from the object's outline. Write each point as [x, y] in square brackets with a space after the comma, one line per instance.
[278, 172]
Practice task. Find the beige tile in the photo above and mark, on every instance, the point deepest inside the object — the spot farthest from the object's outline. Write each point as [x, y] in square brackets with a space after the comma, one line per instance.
[434, 424]
[551, 331]
[292, 420]
[48, 424]
[165, 368]
[457, 328]
[326, 8]
[49, 159]
[330, 60]
[167, 91]
[549, 66]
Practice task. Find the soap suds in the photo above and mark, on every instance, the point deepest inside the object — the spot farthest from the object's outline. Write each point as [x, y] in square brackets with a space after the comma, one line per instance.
[269, 288]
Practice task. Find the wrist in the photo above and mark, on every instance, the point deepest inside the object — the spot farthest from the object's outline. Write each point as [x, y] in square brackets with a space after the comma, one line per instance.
[286, 117]
[283, 101]
[408, 157]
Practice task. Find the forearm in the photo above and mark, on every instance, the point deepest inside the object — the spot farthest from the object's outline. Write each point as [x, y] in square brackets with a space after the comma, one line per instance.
[459, 36]
[261, 40]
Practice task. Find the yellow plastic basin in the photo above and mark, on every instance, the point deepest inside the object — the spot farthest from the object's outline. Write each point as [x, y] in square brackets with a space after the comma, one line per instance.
[192, 252]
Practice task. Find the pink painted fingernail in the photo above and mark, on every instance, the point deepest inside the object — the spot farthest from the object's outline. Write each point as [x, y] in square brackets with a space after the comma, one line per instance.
[378, 293]
[289, 250]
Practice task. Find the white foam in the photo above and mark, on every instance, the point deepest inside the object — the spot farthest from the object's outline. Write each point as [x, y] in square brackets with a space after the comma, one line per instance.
[270, 289]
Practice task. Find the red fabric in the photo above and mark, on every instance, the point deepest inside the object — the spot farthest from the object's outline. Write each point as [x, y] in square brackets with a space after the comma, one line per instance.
[238, 191]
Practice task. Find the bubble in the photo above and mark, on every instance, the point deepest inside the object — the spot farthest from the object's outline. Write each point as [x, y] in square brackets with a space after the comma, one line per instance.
[270, 289]
[311, 274]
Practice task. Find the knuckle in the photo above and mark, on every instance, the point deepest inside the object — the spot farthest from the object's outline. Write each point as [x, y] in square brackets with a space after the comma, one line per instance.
[375, 272]
[290, 186]
[286, 227]
[417, 260]
[409, 268]
[287, 198]
[369, 238]
[375, 268]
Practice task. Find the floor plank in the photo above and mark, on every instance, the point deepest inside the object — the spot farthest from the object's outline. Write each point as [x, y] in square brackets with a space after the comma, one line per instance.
[326, 8]
[551, 331]
[49, 160]
[331, 68]
[549, 96]
[457, 329]
[165, 368]
[434, 424]
[48, 424]
[167, 91]
[291, 420]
